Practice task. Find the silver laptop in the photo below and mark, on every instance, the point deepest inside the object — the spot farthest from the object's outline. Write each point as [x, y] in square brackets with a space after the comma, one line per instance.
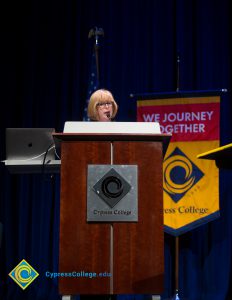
[30, 144]
[31, 150]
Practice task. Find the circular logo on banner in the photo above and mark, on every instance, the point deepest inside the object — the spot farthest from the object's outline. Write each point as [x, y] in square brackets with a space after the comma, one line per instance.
[180, 174]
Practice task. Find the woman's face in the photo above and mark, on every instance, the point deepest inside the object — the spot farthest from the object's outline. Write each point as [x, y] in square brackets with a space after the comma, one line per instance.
[105, 111]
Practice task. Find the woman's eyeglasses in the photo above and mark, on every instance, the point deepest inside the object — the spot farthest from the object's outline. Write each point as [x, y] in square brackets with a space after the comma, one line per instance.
[104, 104]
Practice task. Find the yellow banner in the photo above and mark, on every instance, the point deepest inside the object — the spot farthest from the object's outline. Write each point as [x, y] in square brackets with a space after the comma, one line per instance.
[191, 185]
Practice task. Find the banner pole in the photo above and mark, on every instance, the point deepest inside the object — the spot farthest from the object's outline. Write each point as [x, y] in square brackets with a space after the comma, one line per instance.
[178, 72]
[176, 296]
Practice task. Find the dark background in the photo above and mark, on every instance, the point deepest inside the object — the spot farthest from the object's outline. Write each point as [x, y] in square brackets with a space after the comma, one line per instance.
[45, 63]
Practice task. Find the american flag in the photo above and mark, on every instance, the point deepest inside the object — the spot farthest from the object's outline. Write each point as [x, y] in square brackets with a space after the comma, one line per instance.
[93, 83]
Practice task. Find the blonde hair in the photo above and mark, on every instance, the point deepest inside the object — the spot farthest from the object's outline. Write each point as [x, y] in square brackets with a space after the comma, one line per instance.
[97, 97]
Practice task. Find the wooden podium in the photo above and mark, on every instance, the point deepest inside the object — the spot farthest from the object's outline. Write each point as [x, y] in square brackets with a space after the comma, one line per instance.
[127, 257]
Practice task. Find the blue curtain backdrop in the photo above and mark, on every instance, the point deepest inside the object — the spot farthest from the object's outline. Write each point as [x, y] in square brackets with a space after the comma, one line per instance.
[45, 61]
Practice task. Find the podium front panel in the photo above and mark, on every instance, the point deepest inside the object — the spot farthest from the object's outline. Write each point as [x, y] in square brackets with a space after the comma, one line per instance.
[131, 253]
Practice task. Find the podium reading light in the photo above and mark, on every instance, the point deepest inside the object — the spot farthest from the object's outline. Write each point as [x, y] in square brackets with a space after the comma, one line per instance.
[111, 188]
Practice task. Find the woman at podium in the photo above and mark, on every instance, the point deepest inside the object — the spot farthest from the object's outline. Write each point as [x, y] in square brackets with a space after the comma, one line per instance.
[102, 106]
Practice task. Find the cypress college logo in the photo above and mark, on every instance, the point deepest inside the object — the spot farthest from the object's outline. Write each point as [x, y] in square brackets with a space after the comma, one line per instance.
[180, 174]
[23, 274]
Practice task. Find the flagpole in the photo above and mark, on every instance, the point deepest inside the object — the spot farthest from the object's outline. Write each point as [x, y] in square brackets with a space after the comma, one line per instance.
[94, 78]
[96, 33]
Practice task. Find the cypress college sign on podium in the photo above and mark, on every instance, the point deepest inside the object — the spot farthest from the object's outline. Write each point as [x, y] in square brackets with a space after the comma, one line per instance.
[111, 214]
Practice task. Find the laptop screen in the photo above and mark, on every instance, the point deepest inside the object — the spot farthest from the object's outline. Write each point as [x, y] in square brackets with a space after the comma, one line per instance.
[30, 144]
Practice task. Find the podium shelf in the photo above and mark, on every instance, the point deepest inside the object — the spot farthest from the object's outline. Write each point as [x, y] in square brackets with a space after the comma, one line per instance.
[19, 166]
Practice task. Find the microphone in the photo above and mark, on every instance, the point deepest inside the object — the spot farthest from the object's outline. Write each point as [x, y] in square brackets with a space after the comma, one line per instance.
[108, 115]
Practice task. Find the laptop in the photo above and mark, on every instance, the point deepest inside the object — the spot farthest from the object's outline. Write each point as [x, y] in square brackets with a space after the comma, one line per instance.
[29, 147]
